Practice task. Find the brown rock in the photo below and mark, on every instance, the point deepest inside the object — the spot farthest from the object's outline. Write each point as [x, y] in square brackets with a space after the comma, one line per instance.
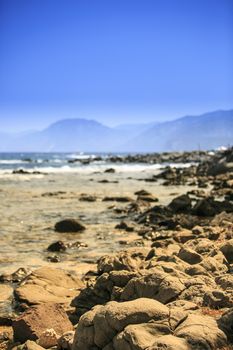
[37, 319]
[189, 256]
[227, 250]
[47, 284]
[69, 225]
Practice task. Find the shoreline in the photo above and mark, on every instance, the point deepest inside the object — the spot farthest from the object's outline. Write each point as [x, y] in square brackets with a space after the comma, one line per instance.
[174, 225]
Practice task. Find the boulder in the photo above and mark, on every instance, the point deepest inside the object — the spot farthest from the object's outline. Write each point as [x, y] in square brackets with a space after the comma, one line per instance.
[37, 319]
[47, 284]
[98, 327]
[225, 323]
[159, 285]
[181, 204]
[201, 332]
[69, 225]
[189, 256]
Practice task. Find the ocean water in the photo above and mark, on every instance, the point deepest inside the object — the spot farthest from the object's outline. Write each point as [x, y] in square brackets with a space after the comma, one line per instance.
[63, 162]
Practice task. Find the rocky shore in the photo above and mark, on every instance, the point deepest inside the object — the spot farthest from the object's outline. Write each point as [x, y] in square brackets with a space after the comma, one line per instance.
[171, 289]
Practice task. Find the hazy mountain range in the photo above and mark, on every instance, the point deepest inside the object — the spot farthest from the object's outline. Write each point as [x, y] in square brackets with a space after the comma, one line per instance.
[207, 131]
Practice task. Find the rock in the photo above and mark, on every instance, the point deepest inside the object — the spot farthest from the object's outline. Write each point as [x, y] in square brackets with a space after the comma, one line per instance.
[98, 327]
[69, 225]
[110, 170]
[225, 323]
[129, 260]
[169, 342]
[201, 332]
[48, 338]
[183, 235]
[122, 199]
[87, 198]
[225, 282]
[124, 226]
[65, 342]
[16, 276]
[29, 345]
[142, 193]
[47, 284]
[189, 256]
[227, 250]
[217, 299]
[140, 336]
[58, 246]
[159, 285]
[181, 204]
[5, 292]
[147, 198]
[32, 324]
[208, 207]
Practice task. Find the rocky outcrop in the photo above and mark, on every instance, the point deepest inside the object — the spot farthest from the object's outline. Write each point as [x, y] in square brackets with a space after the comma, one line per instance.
[145, 324]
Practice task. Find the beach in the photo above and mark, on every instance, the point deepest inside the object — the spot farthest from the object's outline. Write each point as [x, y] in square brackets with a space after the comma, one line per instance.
[141, 221]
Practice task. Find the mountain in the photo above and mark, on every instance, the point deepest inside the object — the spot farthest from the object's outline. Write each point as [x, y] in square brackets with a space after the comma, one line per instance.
[208, 131]
[68, 135]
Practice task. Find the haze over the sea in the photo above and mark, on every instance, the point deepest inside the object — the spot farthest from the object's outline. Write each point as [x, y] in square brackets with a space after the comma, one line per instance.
[118, 61]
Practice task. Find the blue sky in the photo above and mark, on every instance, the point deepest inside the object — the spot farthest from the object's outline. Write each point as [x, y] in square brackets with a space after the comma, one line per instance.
[116, 61]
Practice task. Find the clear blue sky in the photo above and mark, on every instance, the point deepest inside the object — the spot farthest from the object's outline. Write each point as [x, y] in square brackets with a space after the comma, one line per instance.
[114, 61]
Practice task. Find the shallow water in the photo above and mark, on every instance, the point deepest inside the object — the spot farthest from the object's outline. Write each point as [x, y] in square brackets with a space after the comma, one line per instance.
[27, 218]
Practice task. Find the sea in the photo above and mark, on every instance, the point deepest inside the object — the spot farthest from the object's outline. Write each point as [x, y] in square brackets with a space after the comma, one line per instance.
[66, 162]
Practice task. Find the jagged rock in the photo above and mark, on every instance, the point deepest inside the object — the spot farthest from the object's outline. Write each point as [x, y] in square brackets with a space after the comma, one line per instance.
[37, 319]
[189, 256]
[47, 284]
[69, 225]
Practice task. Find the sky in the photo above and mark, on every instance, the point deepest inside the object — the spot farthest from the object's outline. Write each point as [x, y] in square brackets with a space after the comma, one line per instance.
[115, 61]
